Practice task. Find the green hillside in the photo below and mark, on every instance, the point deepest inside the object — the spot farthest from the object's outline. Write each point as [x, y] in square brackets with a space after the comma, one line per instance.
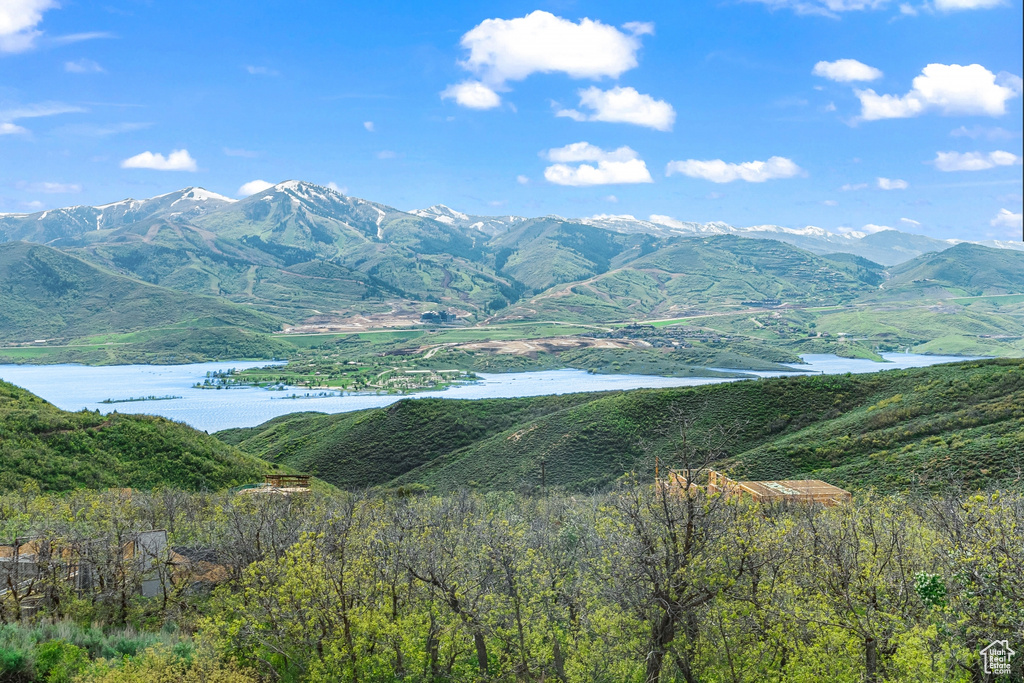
[61, 451]
[302, 251]
[667, 277]
[963, 270]
[195, 276]
[47, 293]
[893, 430]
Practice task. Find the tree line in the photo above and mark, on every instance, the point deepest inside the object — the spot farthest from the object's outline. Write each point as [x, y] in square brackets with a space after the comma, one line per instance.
[641, 583]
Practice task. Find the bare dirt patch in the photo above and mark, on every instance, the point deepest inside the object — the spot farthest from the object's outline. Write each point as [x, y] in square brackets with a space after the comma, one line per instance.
[523, 347]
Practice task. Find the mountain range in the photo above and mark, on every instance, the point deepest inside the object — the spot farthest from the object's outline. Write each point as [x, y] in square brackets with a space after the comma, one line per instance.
[195, 204]
[304, 257]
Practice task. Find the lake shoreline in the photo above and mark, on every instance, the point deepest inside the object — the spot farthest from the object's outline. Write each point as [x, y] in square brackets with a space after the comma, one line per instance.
[81, 387]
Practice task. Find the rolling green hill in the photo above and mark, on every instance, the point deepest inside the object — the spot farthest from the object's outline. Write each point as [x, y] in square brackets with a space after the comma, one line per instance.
[670, 277]
[60, 451]
[893, 430]
[47, 293]
[963, 270]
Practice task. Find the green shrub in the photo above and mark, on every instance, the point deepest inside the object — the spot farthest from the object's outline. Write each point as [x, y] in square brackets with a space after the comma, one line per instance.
[59, 662]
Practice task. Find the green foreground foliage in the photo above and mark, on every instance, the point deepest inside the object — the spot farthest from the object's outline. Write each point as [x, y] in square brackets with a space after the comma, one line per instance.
[959, 423]
[637, 585]
[55, 450]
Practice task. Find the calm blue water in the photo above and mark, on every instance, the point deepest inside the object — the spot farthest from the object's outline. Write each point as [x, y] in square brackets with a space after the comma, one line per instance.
[74, 387]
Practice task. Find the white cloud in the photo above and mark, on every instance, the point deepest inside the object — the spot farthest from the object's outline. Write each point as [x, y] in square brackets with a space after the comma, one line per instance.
[253, 187]
[829, 8]
[975, 132]
[910, 221]
[31, 111]
[830, 202]
[1007, 219]
[368, 125]
[851, 187]
[72, 38]
[178, 160]
[611, 198]
[954, 5]
[386, 154]
[640, 28]
[584, 151]
[472, 94]
[948, 89]
[342, 189]
[83, 66]
[974, 161]
[503, 50]
[833, 8]
[623, 105]
[49, 188]
[892, 184]
[522, 180]
[92, 130]
[846, 71]
[262, 71]
[18, 19]
[619, 166]
[718, 171]
[605, 173]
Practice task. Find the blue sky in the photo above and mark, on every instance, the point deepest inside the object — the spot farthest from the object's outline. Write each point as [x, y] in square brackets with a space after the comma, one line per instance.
[792, 112]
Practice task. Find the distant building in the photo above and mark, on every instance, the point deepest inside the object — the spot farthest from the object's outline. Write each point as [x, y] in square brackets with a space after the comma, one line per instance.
[798, 491]
[438, 317]
[277, 484]
[28, 564]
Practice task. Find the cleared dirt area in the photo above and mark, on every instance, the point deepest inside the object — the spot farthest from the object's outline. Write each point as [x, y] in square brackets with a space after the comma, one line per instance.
[522, 347]
[396, 317]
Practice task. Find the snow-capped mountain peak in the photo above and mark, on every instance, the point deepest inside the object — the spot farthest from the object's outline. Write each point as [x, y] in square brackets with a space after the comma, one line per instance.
[489, 225]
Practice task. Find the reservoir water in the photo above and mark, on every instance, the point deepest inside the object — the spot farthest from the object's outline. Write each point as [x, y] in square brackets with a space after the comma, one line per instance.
[74, 387]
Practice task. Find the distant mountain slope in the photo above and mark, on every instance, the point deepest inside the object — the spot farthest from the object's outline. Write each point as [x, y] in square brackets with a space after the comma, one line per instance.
[315, 259]
[544, 252]
[61, 451]
[72, 222]
[963, 270]
[892, 430]
[887, 247]
[488, 225]
[48, 293]
[262, 250]
[642, 279]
